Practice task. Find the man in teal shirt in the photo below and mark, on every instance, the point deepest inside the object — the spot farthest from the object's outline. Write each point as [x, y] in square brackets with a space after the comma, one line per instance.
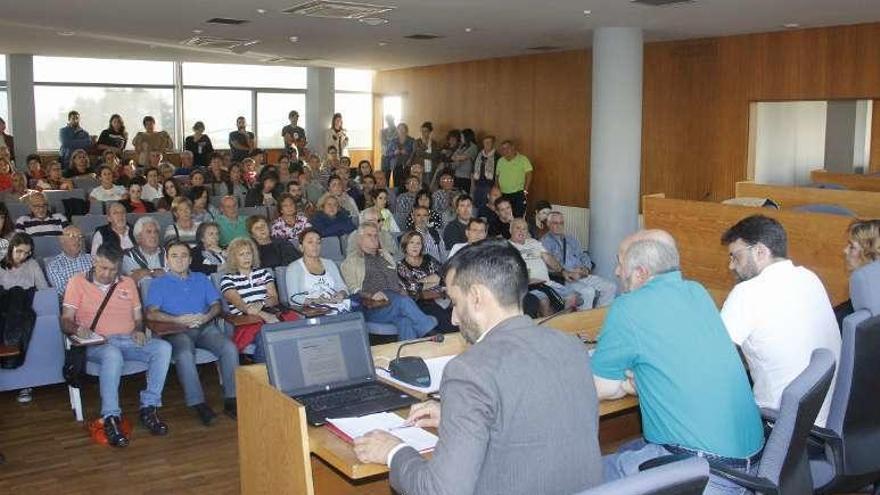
[665, 340]
[231, 224]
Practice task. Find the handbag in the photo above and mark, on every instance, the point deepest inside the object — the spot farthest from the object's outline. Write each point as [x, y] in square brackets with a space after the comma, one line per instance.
[244, 334]
[75, 356]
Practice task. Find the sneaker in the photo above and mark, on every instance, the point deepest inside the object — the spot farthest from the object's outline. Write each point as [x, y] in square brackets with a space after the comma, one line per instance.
[25, 395]
[205, 413]
[230, 407]
[113, 432]
[150, 420]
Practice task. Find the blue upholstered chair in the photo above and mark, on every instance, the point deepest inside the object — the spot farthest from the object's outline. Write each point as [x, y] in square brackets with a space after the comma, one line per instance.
[45, 352]
[686, 477]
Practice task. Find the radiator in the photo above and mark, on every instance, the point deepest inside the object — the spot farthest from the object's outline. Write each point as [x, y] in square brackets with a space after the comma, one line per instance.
[577, 222]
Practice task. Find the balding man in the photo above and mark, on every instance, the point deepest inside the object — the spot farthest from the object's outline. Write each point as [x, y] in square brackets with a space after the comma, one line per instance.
[147, 257]
[71, 261]
[40, 222]
[665, 336]
[186, 162]
[231, 224]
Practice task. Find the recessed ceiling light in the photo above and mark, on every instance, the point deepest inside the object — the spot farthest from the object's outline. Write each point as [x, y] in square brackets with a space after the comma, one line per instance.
[66, 33]
[373, 21]
[293, 39]
[197, 31]
[261, 11]
[468, 30]
[588, 12]
[791, 25]
[383, 43]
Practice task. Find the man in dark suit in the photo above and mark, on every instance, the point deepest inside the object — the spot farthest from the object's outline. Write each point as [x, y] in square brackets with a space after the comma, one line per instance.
[519, 414]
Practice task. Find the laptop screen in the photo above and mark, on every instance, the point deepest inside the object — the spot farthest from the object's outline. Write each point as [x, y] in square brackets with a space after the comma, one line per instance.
[318, 354]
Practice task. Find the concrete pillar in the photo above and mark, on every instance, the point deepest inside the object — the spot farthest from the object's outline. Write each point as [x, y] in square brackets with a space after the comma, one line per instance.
[319, 106]
[616, 143]
[22, 120]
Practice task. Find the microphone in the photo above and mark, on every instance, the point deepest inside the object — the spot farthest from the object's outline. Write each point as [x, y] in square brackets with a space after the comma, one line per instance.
[412, 369]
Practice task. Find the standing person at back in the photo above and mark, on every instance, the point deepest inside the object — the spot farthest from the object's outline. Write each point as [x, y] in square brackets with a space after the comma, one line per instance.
[778, 313]
[292, 133]
[513, 173]
[518, 416]
[241, 141]
[152, 140]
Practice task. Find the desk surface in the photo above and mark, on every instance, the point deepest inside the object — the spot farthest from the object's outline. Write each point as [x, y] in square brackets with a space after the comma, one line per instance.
[340, 455]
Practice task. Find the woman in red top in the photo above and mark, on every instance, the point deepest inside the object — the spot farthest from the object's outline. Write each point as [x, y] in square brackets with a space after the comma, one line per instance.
[134, 203]
[5, 175]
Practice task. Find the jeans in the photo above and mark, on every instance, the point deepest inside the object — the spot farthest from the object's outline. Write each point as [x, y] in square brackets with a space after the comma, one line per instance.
[155, 353]
[626, 461]
[210, 338]
[591, 286]
[403, 313]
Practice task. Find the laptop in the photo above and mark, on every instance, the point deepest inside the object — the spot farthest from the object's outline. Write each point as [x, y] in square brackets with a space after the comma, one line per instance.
[326, 365]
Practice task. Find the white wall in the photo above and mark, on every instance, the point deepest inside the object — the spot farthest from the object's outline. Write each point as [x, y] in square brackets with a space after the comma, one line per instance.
[790, 141]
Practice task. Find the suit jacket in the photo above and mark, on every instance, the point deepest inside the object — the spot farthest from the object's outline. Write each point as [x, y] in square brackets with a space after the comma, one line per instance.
[520, 416]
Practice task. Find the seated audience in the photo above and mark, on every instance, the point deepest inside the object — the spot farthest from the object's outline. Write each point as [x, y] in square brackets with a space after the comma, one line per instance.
[126, 173]
[106, 189]
[330, 220]
[778, 313]
[488, 210]
[454, 232]
[303, 205]
[387, 240]
[367, 186]
[273, 252]
[371, 274]
[231, 224]
[6, 229]
[184, 227]
[70, 261]
[188, 160]
[499, 225]
[197, 312]
[518, 416]
[40, 222]
[203, 210]
[863, 260]
[18, 268]
[79, 165]
[433, 242]
[207, 255]
[153, 188]
[235, 184]
[198, 178]
[265, 193]
[315, 280]
[134, 202]
[665, 334]
[421, 277]
[443, 198]
[170, 191]
[382, 183]
[476, 231]
[345, 201]
[249, 290]
[147, 257]
[552, 296]
[35, 171]
[406, 200]
[54, 180]
[116, 231]
[6, 170]
[166, 171]
[290, 222]
[312, 188]
[538, 221]
[576, 264]
[19, 188]
[121, 324]
[386, 222]
[435, 220]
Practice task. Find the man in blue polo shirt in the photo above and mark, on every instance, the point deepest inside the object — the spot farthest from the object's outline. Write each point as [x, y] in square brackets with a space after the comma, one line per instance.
[191, 300]
[664, 338]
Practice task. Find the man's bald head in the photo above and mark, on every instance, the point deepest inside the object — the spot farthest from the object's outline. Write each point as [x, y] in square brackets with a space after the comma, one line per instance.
[71, 241]
[645, 254]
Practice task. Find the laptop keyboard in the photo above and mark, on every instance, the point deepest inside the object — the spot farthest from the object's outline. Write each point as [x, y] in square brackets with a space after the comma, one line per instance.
[356, 401]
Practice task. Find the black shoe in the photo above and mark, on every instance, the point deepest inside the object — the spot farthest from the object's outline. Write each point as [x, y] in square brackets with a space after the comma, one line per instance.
[113, 432]
[230, 407]
[205, 413]
[150, 420]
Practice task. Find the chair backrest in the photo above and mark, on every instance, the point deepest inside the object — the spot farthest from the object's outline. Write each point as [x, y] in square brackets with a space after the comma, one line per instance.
[97, 207]
[88, 224]
[46, 246]
[163, 218]
[215, 279]
[281, 285]
[56, 198]
[855, 404]
[784, 461]
[250, 211]
[85, 182]
[864, 286]
[331, 248]
[17, 209]
[827, 209]
[687, 477]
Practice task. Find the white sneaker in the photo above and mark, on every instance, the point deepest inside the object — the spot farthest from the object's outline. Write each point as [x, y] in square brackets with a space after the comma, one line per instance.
[25, 395]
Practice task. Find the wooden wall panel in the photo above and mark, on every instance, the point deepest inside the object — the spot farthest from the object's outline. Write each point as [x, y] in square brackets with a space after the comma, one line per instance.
[695, 110]
[874, 159]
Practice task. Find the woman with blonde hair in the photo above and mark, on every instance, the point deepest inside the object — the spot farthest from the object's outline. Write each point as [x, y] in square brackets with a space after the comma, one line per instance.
[863, 260]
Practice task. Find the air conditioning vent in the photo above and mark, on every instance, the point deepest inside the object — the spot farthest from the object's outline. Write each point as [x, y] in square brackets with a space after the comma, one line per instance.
[332, 9]
[234, 45]
[226, 21]
[423, 36]
[544, 48]
[661, 3]
[279, 60]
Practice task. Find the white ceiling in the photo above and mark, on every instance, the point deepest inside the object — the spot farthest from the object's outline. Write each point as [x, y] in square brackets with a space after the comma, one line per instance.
[153, 29]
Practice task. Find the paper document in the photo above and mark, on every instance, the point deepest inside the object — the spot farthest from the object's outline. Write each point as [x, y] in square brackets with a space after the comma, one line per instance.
[93, 338]
[351, 428]
[435, 368]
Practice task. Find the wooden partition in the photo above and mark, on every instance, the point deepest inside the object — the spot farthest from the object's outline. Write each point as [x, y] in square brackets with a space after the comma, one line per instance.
[815, 240]
[855, 182]
[865, 204]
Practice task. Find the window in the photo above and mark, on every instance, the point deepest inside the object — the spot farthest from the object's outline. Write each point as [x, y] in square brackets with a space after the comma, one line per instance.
[244, 76]
[272, 111]
[217, 109]
[95, 105]
[4, 103]
[354, 100]
[103, 71]
[393, 106]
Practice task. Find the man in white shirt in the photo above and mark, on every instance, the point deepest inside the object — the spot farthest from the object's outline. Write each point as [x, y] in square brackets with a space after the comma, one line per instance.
[778, 313]
[147, 258]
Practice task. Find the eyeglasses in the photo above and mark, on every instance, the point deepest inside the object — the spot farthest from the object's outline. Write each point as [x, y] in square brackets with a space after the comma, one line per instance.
[74, 236]
[734, 254]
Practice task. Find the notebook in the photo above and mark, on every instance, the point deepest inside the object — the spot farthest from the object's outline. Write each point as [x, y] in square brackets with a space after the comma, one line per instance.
[351, 428]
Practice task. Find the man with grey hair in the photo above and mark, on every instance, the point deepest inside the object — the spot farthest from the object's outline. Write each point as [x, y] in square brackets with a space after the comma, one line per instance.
[186, 163]
[147, 257]
[664, 337]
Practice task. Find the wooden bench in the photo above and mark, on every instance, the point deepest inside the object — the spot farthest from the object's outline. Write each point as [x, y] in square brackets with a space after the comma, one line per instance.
[865, 204]
[855, 182]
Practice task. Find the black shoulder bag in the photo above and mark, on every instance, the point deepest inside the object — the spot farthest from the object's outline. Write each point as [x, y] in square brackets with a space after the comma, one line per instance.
[75, 357]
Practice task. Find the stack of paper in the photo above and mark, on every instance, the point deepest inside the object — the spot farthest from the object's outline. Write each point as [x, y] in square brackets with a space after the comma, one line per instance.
[93, 338]
[435, 368]
[351, 428]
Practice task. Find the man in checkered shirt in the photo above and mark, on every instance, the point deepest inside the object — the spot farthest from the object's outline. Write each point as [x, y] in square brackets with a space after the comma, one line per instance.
[71, 261]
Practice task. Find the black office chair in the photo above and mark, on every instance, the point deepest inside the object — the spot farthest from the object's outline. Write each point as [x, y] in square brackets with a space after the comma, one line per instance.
[851, 437]
[686, 477]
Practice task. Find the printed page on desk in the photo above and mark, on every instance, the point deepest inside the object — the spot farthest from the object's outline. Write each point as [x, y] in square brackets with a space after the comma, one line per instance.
[415, 437]
[435, 368]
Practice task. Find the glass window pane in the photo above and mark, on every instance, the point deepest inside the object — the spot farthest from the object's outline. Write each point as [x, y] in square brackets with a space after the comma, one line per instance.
[217, 109]
[393, 106]
[272, 111]
[357, 118]
[2, 67]
[95, 105]
[353, 80]
[4, 109]
[99, 70]
[243, 76]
